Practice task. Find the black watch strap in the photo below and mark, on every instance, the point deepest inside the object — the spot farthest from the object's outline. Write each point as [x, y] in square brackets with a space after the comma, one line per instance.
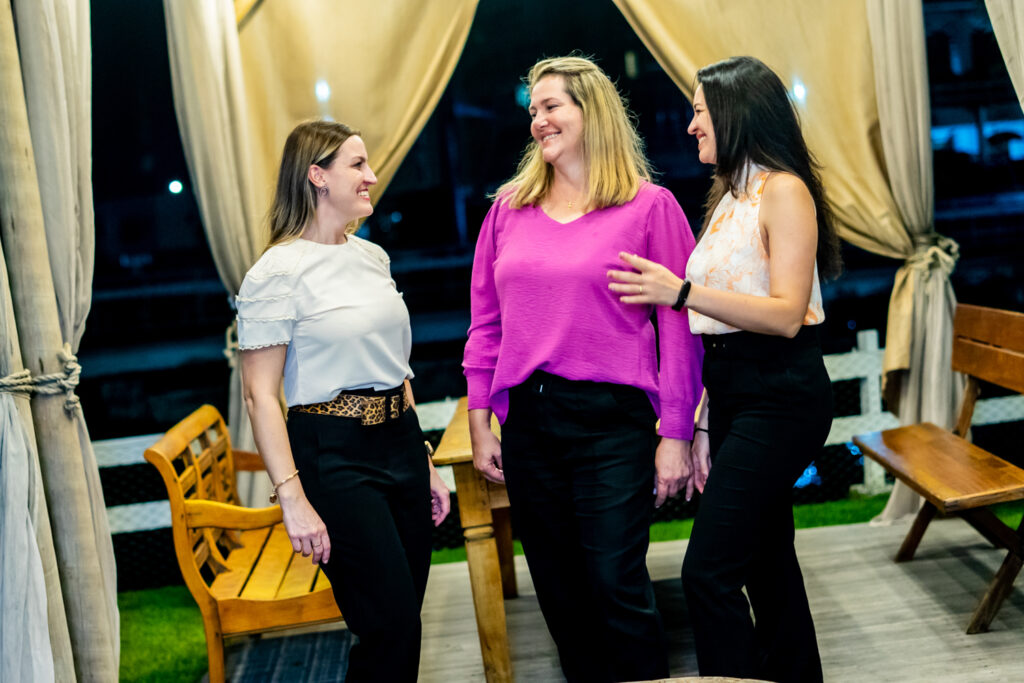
[684, 292]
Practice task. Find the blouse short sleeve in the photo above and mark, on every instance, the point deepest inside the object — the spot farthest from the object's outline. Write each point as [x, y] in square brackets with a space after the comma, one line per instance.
[266, 304]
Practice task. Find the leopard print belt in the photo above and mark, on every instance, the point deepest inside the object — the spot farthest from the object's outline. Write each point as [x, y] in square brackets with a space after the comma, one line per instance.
[372, 410]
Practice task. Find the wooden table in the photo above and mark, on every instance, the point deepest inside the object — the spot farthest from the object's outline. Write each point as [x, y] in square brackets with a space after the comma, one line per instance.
[483, 510]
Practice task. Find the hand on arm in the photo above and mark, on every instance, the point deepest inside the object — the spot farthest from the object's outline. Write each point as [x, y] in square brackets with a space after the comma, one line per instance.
[261, 379]
[787, 216]
[486, 446]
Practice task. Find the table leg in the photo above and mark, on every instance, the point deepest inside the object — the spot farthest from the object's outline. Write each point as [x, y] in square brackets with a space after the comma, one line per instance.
[484, 572]
[503, 537]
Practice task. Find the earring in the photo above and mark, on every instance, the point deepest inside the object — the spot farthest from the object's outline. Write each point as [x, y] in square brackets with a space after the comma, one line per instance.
[322, 190]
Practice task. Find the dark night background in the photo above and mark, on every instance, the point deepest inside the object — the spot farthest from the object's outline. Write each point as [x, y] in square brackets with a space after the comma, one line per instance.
[152, 350]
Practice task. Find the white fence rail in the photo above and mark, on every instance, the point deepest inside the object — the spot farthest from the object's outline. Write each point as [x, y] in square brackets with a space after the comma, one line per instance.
[863, 363]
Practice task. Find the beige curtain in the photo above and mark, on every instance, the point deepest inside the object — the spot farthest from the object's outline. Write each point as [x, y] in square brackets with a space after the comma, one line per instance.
[209, 99]
[245, 73]
[866, 117]
[47, 232]
[25, 650]
[380, 67]
[1007, 18]
[919, 339]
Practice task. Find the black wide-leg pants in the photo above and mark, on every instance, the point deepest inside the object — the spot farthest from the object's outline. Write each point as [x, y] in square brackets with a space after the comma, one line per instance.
[770, 403]
[370, 486]
[578, 459]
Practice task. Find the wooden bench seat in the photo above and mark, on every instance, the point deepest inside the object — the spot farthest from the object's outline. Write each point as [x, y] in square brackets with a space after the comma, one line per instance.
[954, 476]
[237, 562]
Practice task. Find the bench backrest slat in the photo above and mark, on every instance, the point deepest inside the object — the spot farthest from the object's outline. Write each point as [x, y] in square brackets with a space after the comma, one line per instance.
[194, 460]
[989, 344]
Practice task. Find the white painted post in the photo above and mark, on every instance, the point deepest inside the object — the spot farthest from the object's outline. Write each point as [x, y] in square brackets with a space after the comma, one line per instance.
[871, 404]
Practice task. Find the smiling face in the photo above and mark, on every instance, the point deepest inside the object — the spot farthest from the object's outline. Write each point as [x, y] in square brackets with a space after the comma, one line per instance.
[557, 124]
[348, 180]
[700, 126]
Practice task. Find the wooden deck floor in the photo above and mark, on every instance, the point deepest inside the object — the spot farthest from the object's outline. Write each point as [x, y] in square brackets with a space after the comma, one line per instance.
[876, 620]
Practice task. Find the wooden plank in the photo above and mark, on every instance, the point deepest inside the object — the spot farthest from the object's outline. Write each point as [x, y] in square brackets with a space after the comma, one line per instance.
[990, 363]
[267, 575]
[875, 620]
[240, 563]
[947, 470]
[455, 445]
[992, 326]
[299, 579]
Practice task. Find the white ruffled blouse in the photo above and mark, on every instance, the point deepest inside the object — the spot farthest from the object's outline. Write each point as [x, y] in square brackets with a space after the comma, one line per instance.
[336, 308]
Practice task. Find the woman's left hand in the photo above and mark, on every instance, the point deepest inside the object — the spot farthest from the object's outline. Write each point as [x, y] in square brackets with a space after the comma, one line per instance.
[440, 498]
[653, 284]
[673, 469]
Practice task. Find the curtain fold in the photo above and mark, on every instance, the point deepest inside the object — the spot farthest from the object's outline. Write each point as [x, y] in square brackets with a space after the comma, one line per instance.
[1007, 18]
[210, 104]
[245, 73]
[26, 653]
[48, 241]
[826, 52]
[920, 384]
[381, 70]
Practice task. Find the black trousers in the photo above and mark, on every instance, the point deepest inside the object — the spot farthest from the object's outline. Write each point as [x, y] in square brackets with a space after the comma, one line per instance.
[578, 459]
[370, 486]
[770, 403]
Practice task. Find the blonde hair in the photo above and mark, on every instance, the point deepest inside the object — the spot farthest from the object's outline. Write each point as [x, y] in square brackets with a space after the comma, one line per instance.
[311, 142]
[613, 153]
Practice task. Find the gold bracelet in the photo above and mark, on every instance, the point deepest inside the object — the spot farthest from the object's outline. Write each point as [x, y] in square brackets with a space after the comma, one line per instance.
[273, 495]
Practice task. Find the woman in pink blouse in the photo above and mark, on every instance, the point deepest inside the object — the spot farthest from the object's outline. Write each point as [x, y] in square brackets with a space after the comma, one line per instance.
[574, 376]
[753, 294]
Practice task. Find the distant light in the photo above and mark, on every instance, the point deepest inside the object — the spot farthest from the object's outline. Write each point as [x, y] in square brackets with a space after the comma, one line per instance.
[523, 96]
[851, 324]
[175, 187]
[396, 216]
[630, 64]
[323, 91]
[799, 91]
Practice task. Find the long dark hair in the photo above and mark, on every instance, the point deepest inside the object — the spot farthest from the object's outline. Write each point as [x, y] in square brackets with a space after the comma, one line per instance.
[754, 120]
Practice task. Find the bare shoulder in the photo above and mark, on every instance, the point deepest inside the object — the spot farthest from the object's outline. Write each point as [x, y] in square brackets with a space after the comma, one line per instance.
[782, 187]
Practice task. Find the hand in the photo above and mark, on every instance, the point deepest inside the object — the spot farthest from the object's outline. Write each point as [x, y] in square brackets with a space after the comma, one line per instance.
[653, 284]
[304, 526]
[672, 463]
[440, 497]
[700, 457]
[487, 454]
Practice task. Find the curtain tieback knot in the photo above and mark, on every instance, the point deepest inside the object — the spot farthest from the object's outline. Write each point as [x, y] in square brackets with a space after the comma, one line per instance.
[22, 382]
[934, 251]
[231, 344]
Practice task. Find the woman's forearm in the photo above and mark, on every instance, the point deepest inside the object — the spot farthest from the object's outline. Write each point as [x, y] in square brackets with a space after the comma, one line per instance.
[271, 435]
[764, 314]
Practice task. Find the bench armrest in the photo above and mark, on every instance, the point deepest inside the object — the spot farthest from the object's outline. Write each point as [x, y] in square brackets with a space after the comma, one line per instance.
[212, 513]
[247, 461]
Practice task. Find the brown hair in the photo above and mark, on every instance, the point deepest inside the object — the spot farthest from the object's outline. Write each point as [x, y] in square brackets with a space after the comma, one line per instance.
[310, 143]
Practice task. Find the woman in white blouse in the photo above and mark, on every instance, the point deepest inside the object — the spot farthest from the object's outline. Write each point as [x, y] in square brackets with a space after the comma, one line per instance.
[355, 484]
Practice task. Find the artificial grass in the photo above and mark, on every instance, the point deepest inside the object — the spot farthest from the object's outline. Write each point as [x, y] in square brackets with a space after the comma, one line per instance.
[161, 635]
[162, 632]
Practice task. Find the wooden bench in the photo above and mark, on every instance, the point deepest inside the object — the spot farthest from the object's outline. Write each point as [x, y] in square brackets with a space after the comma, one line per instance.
[954, 476]
[237, 562]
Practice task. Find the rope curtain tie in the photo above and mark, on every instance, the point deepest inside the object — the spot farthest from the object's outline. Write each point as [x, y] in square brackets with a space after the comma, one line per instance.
[231, 344]
[22, 382]
[935, 251]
